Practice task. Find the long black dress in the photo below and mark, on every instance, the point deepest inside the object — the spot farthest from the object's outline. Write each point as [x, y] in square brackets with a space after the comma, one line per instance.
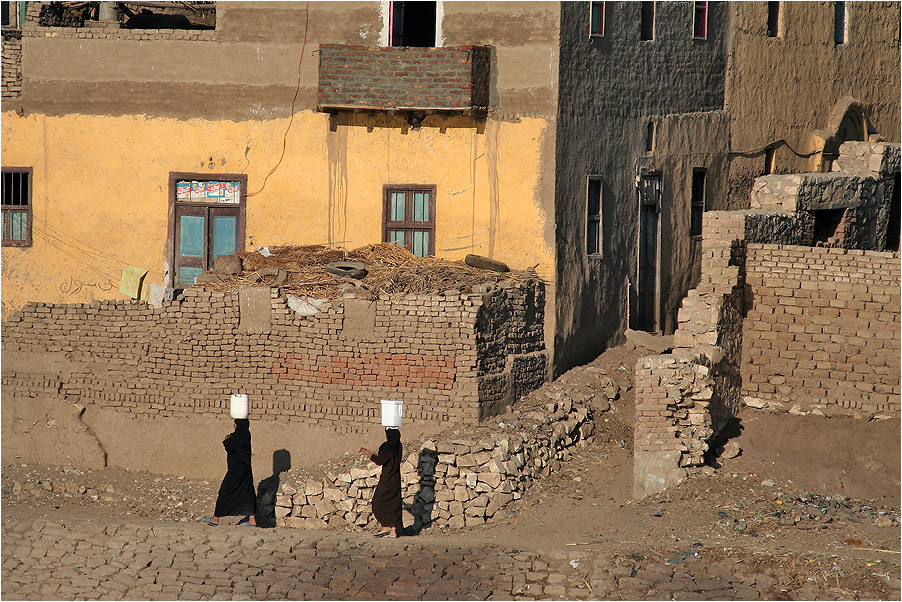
[236, 494]
[387, 497]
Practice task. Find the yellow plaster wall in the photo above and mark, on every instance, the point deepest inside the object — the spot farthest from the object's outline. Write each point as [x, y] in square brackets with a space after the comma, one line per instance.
[101, 198]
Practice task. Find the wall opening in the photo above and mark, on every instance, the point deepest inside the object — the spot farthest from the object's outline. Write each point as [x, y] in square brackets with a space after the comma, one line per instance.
[840, 23]
[596, 19]
[647, 21]
[207, 221]
[650, 137]
[852, 127]
[826, 225]
[17, 216]
[699, 178]
[408, 218]
[644, 316]
[700, 20]
[413, 24]
[773, 19]
[893, 222]
[593, 216]
[768, 161]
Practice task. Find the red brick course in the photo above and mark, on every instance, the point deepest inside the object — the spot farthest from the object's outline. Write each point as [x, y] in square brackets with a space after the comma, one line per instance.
[447, 356]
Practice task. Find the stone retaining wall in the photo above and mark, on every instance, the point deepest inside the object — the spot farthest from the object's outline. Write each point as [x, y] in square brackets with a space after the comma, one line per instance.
[453, 482]
[452, 357]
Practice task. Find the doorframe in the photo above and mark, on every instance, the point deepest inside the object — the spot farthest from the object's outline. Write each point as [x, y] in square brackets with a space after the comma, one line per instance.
[656, 322]
[174, 176]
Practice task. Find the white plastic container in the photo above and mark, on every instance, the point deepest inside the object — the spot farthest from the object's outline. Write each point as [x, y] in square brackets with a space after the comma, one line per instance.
[239, 407]
[392, 411]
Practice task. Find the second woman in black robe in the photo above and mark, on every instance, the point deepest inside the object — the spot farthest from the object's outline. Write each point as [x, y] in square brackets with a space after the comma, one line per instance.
[387, 497]
[237, 496]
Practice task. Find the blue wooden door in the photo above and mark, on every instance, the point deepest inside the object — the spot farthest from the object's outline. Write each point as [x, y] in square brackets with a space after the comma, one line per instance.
[201, 235]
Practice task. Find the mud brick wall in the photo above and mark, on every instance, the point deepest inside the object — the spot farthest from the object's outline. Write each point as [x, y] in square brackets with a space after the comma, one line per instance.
[11, 71]
[823, 328]
[330, 368]
[447, 78]
[451, 482]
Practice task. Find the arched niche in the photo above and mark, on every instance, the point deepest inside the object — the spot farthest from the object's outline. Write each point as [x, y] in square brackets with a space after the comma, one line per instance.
[847, 122]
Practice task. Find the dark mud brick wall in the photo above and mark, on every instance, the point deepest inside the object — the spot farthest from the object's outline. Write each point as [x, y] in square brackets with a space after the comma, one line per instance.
[330, 369]
[448, 78]
[822, 327]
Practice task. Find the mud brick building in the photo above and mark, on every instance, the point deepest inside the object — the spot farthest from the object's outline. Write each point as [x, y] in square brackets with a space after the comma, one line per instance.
[584, 138]
[587, 139]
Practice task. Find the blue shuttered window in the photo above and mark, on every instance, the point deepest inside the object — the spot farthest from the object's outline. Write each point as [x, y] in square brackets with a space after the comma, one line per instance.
[409, 218]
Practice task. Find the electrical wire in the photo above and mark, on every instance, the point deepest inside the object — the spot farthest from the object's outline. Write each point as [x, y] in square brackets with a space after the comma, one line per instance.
[772, 144]
[62, 237]
[293, 100]
[75, 257]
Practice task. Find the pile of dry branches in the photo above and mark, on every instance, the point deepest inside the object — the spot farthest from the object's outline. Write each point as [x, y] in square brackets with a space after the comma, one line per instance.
[390, 270]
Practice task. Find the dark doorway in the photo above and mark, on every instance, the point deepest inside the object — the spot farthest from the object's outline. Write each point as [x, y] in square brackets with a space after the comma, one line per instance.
[892, 226]
[826, 226]
[413, 24]
[644, 314]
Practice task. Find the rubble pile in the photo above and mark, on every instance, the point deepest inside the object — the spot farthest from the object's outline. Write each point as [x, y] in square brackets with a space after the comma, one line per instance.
[319, 271]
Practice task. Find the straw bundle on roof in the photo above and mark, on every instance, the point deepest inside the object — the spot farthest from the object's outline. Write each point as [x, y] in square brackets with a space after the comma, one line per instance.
[390, 270]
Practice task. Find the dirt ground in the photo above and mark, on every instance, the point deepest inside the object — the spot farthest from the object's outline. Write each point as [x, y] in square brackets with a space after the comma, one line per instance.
[805, 491]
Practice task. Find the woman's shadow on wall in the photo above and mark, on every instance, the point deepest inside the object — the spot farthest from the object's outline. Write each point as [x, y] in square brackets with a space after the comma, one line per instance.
[424, 501]
[266, 490]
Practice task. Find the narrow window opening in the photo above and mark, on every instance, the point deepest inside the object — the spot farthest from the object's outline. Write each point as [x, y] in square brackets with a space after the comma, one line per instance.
[839, 23]
[700, 21]
[596, 19]
[593, 216]
[650, 137]
[16, 207]
[893, 222]
[412, 24]
[647, 21]
[773, 19]
[768, 161]
[408, 218]
[699, 178]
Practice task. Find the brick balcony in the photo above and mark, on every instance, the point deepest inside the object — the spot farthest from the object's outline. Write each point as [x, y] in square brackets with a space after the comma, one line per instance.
[452, 78]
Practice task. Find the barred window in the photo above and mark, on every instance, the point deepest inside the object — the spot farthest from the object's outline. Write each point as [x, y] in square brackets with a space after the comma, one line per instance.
[17, 207]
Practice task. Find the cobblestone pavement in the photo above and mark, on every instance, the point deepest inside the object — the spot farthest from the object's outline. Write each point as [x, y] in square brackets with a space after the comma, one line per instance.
[46, 558]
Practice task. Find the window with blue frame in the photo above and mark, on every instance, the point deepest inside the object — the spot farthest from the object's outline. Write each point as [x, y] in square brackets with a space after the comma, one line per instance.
[17, 206]
[409, 218]
[209, 220]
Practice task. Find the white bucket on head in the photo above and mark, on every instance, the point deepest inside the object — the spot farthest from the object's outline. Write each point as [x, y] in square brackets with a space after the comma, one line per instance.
[392, 412]
[239, 406]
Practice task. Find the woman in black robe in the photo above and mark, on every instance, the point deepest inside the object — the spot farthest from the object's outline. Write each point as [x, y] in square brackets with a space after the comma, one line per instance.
[236, 494]
[387, 497]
